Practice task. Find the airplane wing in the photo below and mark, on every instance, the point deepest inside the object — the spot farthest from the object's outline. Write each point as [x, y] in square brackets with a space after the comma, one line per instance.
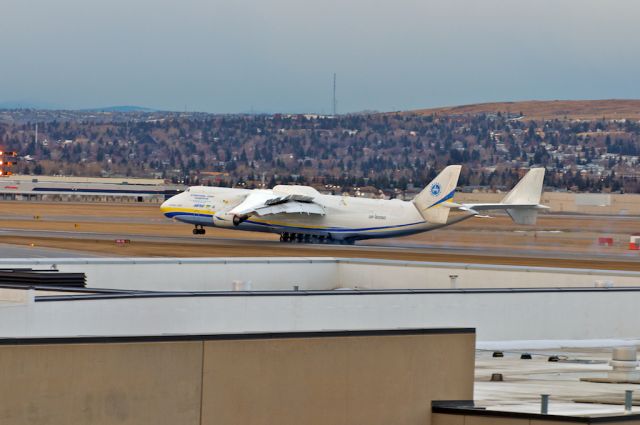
[266, 203]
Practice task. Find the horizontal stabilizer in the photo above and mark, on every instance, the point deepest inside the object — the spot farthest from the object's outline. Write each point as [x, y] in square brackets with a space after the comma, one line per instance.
[522, 203]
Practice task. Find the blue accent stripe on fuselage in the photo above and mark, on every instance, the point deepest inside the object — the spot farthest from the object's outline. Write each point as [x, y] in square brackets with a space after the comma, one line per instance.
[179, 213]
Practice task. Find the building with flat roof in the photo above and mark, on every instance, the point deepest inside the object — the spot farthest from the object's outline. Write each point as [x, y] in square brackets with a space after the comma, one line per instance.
[324, 378]
[86, 189]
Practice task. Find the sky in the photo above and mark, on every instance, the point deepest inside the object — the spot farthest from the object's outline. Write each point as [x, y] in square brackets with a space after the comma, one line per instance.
[280, 55]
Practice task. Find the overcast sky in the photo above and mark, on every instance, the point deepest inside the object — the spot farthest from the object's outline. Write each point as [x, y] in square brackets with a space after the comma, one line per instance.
[280, 55]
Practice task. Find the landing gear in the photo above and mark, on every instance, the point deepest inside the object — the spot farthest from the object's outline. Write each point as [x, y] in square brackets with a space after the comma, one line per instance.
[312, 239]
[199, 230]
[291, 237]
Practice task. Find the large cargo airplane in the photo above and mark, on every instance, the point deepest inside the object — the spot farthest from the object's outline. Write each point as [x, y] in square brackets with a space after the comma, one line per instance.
[302, 214]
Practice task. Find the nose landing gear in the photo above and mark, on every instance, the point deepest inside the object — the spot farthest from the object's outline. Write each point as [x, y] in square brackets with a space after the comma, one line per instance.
[199, 230]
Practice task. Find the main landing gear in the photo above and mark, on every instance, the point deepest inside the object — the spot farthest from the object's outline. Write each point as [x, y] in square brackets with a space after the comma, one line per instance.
[199, 230]
[304, 238]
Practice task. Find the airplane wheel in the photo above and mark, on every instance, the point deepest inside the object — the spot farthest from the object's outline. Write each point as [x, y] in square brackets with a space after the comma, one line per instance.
[202, 231]
[196, 231]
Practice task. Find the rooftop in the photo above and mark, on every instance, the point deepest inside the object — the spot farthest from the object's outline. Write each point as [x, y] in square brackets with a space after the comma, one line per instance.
[525, 381]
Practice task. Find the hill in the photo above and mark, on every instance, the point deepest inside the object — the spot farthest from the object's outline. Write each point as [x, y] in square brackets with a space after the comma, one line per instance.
[123, 108]
[552, 109]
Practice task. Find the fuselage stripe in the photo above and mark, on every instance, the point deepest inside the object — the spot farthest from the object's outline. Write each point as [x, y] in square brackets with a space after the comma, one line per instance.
[172, 214]
[446, 198]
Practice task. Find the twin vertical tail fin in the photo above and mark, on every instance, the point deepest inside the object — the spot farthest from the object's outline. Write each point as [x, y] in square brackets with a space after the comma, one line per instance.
[441, 189]
[525, 197]
[528, 190]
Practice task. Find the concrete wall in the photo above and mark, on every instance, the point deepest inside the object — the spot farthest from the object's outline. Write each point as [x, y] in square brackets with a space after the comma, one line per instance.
[497, 316]
[218, 274]
[129, 384]
[341, 380]
[194, 274]
[387, 274]
[381, 380]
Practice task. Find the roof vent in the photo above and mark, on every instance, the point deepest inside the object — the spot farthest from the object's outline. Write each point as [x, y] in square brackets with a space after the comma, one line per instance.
[624, 363]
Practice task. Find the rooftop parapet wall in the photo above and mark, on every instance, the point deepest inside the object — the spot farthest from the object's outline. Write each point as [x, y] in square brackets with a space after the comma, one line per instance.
[315, 273]
[498, 315]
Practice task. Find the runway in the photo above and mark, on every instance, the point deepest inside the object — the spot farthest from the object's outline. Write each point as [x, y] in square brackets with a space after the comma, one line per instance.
[94, 243]
[559, 240]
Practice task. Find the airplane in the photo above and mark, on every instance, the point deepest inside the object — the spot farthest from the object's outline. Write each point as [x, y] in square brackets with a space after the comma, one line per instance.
[302, 214]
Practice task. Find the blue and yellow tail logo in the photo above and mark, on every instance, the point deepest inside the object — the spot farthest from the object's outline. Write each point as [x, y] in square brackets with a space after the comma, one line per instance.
[435, 189]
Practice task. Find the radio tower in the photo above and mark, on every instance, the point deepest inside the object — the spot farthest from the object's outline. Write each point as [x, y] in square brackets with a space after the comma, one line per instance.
[334, 94]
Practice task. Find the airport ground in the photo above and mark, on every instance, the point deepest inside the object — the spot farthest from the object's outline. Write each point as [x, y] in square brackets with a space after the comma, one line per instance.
[559, 240]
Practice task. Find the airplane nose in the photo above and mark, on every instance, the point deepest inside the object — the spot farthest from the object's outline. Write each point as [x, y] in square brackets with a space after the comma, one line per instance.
[165, 208]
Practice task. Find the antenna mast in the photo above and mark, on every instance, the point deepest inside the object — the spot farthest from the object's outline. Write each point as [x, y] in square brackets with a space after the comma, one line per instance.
[334, 94]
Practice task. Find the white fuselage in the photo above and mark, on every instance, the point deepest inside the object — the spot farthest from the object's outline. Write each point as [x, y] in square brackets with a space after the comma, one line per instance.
[345, 217]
